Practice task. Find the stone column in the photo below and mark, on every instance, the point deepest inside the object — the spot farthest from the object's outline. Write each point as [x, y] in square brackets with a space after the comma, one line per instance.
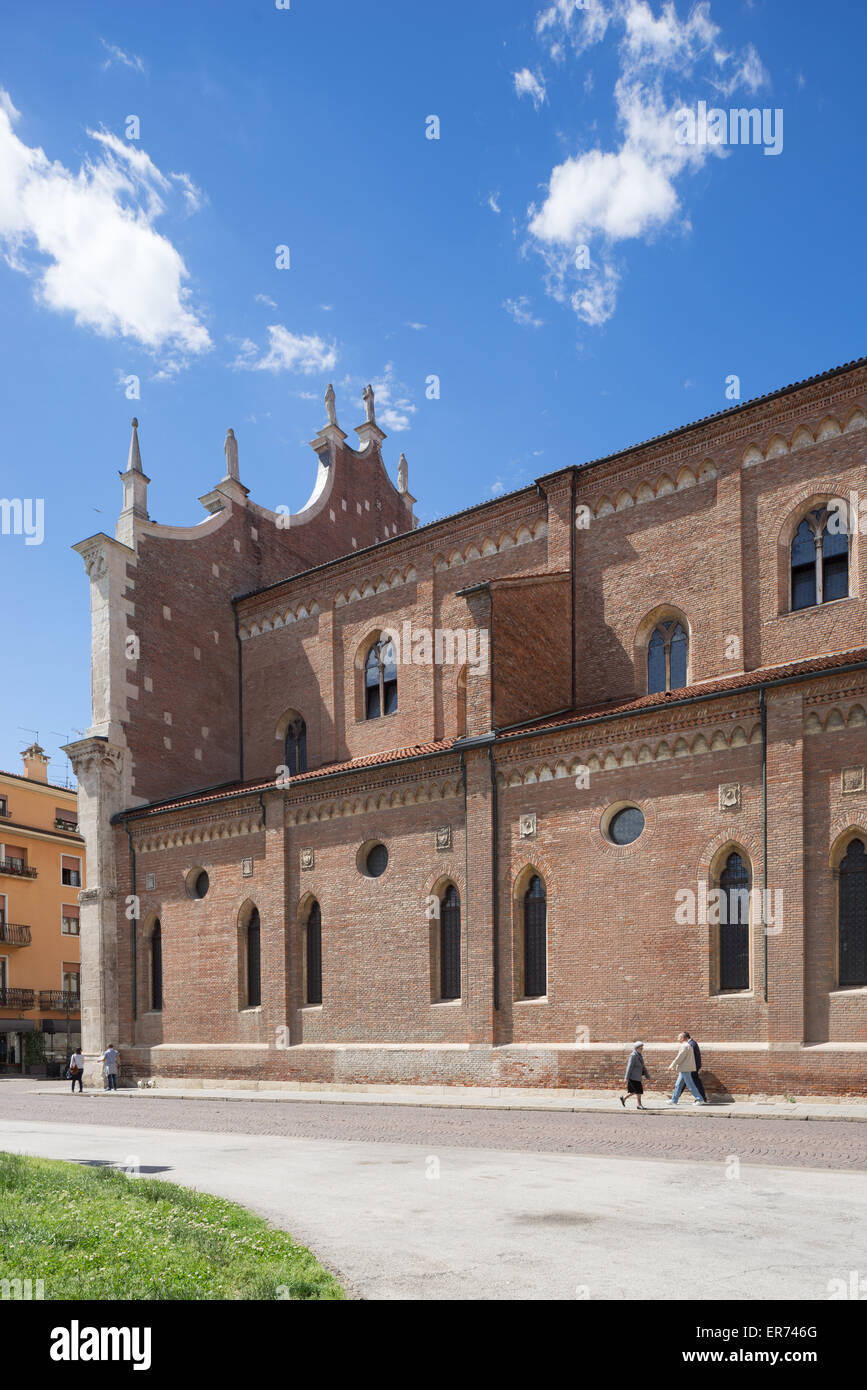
[98, 765]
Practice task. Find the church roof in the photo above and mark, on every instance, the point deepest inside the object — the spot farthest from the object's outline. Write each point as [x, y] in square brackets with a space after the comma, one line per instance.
[588, 714]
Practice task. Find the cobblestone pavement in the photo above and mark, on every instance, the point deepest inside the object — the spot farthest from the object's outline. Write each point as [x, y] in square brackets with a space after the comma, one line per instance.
[768, 1142]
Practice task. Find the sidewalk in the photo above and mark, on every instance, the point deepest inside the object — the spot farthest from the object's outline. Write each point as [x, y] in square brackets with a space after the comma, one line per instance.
[485, 1098]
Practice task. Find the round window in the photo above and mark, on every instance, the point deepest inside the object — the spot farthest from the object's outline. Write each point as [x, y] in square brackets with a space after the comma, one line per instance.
[377, 861]
[198, 883]
[625, 826]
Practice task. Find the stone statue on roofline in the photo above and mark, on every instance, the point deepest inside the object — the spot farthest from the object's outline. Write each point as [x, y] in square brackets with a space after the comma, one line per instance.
[403, 475]
[230, 449]
[367, 397]
[330, 405]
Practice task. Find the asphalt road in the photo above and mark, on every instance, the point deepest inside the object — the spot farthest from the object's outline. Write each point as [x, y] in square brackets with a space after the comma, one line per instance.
[766, 1141]
[409, 1203]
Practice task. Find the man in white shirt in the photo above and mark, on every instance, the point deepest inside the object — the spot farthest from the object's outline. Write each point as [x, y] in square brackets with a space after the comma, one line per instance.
[684, 1065]
[76, 1070]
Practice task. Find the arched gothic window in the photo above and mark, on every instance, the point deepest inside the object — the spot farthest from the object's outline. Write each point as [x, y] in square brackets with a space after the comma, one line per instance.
[157, 967]
[450, 944]
[820, 559]
[667, 653]
[853, 915]
[734, 924]
[295, 756]
[254, 961]
[380, 680]
[313, 945]
[535, 939]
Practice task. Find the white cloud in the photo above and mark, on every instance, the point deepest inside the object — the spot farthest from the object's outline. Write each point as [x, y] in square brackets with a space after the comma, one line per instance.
[494, 202]
[88, 240]
[263, 299]
[497, 488]
[117, 55]
[522, 313]
[288, 352]
[394, 406]
[528, 85]
[600, 198]
[417, 327]
[560, 17]
[194, 198]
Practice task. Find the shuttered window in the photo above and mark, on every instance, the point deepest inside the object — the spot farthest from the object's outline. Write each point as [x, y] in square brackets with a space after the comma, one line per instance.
[254, 961]
[70, 871]
[734, 928]
[314, 954]
[450, 944]
[69, 923]
[535, 940]
[853, 915]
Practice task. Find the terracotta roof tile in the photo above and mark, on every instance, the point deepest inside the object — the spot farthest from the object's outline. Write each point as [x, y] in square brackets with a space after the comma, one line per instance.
[586, 714]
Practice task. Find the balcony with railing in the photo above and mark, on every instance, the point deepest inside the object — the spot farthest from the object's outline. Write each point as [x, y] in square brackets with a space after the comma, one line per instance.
[59, 999]
[17, 998]
[18, 868]
[13, 934]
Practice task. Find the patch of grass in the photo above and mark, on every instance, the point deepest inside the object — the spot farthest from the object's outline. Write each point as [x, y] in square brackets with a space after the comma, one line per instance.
[97, 1233]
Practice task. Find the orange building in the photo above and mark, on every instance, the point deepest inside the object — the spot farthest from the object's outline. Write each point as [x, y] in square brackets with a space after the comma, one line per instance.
[42, 868]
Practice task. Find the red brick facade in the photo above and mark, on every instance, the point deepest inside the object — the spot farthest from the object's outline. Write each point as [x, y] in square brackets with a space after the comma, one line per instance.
[498, 771]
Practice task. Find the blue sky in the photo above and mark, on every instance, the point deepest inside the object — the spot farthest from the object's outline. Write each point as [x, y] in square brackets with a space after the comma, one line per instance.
[458, 257]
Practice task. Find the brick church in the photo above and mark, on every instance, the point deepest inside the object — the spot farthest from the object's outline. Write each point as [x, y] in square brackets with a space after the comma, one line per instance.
[480, 801]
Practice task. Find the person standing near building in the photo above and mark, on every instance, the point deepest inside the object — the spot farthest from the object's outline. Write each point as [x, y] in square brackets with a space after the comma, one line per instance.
[110, 1060]
[635, 1070]
[684, 1065]
[697, 1052]
[76, 1070]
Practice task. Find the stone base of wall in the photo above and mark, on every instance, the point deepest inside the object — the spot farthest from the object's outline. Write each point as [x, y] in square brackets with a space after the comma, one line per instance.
[729, 1070]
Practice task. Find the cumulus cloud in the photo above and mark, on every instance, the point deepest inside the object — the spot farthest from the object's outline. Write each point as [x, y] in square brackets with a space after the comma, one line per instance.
[527, 84]
[87, 240]
[601, 197]
[287, 352]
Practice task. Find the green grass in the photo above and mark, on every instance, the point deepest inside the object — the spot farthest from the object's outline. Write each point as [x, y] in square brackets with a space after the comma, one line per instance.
[96, 1233]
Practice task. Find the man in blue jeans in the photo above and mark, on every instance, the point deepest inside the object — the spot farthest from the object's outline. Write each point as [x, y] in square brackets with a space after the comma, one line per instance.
[110, 1060]
[684, 1065]
[696, 1076]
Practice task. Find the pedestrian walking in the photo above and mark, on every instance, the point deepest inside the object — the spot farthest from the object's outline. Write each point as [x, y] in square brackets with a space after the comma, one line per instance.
[109, 1061]
[75, 1070]
[684, 1065]
[635, 1071]
[698, 1081]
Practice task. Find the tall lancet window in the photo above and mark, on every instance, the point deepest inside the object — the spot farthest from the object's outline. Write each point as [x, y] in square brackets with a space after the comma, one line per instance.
[820, 559]
[667, 653]
[296, 746]
[380, 680]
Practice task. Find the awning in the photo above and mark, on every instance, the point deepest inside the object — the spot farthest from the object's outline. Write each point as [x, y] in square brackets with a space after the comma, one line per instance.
[58, 1025]
[17, 1025]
